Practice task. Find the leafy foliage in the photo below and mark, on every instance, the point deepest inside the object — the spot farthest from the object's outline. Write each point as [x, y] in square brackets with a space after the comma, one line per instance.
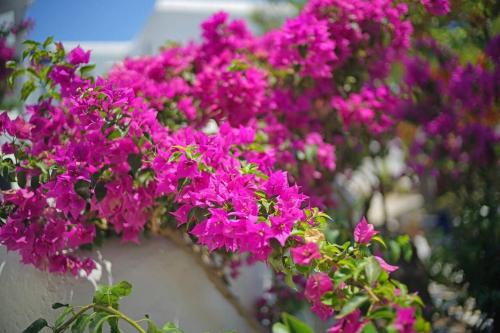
[104, 311]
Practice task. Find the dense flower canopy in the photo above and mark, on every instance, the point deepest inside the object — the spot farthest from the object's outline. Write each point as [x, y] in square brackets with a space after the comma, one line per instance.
[233, 140]
[112, 148]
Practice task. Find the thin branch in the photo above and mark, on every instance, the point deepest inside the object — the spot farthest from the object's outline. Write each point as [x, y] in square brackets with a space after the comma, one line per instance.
[62, 328]
[107, 309]
[121, 316]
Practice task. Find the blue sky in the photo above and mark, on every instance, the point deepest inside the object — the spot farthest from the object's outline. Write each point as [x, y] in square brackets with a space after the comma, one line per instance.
[92, 20]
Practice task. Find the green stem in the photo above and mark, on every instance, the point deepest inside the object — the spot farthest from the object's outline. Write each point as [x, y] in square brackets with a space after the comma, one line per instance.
[72, 319]
[107, 309]
[372, 294]
[121, 315]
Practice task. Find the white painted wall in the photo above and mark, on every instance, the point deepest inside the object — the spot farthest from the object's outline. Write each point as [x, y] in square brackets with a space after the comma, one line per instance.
[175, 20]
[167, 284]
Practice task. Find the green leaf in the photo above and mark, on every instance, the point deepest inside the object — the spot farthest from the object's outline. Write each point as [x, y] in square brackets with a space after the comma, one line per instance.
[35, 182]
[31, 43]
[42, 166]
[372, 269]
[48, 41]
[36, 326]
[11, 64]
[14, 75]
[113, 324]
[86, 69]
[81, 323]
[95, 317]
[27, 52]
[171, 328]
[175, 156]
[21, 179]
[152, 328]
[59, 305]
[380, 240]
[122, 289]
[103, 296]
[82, 188]
[421, 325]
[98, 324]
[100, 191]
[311, 152]
[342, 275]
[280, 328]
[62, 317]
[27, 89]
[32, 72]
[408, 254]
[405, 243]
[261, 194]
[358, 269]
[352, 305]
[295, 325]
[325, 216]
[115, 134]
[135, 162]
[237, 65]
[110, 295]
[382, 313]
[289, 281]
[369, 328]
[395, 251]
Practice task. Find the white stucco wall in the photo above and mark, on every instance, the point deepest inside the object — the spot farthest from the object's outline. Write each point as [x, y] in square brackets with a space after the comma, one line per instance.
[175, 20]
[167, 284]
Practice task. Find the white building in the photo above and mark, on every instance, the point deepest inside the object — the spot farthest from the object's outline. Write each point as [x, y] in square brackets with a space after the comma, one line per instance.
[175, 20]
[168, 282]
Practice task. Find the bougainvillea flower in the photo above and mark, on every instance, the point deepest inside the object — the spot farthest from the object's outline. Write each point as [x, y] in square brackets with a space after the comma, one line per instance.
[364, 232]
[405, 319]
[351, 323]
[78, 56]
[437, 7]
[385, 266]
[323, 311]
[303, 255]
[317, 285]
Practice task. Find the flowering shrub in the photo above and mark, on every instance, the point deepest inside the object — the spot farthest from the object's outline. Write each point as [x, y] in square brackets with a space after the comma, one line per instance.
[8, 36]
[455, 105]
[103, 311]
[101, 158]
[211, 138]
[449, 122]
[443, 113]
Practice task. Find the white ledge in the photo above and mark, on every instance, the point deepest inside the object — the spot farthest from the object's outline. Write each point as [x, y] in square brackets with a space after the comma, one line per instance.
[234, 7]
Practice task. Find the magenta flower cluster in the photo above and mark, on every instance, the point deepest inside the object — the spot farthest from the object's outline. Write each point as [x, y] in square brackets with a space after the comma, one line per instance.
[453, 108]
[220, 139]
[8, 35]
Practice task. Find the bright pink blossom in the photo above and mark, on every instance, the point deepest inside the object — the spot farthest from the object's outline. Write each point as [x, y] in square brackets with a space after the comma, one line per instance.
[78, 56]
[385, 266]
[437, 7]
[351, 323]
[304, 255]
[122, 146]
[182, 214]
[405, 319]
[317, 285]
[323, 311]
[364, 232]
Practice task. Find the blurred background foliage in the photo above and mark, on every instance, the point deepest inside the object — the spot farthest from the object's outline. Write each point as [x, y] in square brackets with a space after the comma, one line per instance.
[453, 256]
